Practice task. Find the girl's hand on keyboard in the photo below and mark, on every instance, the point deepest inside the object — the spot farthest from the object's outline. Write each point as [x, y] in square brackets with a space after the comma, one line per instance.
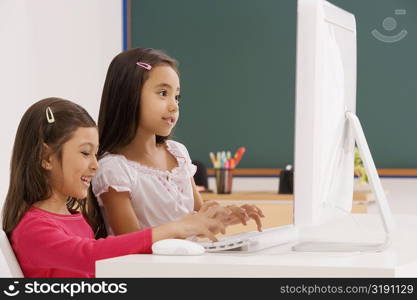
[255, 213]
[232, 214]
[218, 211]
[202, 224]
[244, 213]
[193, 224]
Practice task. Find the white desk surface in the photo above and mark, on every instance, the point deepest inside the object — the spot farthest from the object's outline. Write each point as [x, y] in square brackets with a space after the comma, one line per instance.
[399, 260]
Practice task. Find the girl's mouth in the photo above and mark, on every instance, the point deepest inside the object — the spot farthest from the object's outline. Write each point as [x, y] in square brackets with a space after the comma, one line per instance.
[86, 180]
[169, 120]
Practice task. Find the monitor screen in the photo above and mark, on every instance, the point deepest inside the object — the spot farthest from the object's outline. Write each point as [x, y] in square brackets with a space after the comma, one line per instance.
[325, 90]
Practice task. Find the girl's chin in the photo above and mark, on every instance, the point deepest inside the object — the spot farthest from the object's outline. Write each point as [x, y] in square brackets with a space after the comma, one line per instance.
[164, 133]
[81, 195]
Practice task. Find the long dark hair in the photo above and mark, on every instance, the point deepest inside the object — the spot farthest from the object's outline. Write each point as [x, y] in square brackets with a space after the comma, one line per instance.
[29, 181]
[118, 118]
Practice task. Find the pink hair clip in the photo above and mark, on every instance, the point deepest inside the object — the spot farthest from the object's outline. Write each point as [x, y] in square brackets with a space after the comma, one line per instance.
[144, 65]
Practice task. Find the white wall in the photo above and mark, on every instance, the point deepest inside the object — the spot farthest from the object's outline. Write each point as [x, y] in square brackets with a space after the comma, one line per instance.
[58, 48]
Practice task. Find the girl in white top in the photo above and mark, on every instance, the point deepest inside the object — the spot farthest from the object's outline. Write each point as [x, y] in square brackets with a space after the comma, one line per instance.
[144, 178]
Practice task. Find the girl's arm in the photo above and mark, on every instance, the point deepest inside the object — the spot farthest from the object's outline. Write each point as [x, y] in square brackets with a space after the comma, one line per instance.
[198, 200]
[119, 210]
[42, 244]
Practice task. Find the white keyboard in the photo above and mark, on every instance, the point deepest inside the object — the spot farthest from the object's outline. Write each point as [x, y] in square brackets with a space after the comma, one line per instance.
[254, 240]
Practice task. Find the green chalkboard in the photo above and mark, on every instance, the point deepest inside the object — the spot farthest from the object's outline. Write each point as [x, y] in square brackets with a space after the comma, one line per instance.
[237, 64]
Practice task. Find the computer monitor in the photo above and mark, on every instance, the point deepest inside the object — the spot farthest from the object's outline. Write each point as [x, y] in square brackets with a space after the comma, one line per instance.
[326, 130]
[325, 90]
[326, 127]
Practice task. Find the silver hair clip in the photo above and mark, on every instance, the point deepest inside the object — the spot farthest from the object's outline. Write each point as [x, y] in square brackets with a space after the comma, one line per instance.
[49, 115]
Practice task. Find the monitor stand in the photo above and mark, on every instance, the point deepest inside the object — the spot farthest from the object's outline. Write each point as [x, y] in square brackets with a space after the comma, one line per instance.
[375, 183]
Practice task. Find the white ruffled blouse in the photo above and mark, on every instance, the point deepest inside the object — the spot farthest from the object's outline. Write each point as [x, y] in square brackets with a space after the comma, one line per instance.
[157, 196]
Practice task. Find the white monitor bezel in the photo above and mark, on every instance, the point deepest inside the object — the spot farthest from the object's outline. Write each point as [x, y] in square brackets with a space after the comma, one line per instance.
[311, 14]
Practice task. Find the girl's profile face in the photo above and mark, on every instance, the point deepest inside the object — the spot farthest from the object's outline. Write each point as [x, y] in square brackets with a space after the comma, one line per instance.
[159, 101]
[71, 176]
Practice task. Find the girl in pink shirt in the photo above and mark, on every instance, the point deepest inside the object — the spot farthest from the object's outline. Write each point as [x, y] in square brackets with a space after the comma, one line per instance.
[46, 214]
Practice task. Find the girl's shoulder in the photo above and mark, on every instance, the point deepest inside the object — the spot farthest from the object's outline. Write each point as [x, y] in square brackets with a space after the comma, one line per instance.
[37, 213]
[183, 158]
[36, 217]
[110, 158]
[114, 166]
[177, 148]
[112, 161]
[31, 216]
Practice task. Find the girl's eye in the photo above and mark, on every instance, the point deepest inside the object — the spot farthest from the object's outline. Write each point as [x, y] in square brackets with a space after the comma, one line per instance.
[85, 153]
[177, 98]
[163, 93]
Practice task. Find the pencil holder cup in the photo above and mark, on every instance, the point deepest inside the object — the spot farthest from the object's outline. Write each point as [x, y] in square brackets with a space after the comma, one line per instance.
[224, 180]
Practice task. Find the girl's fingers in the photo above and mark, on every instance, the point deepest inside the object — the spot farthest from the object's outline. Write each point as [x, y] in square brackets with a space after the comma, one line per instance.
[232, 214]
[208, 204]
[257, 219]
[222, 227]
[223, 211]
[218, 212]
[255, 213]
[207, 233]
[240, 213]
[215, 226]
[260, 212]
[211, 211]
[253, 208]
[244, 219]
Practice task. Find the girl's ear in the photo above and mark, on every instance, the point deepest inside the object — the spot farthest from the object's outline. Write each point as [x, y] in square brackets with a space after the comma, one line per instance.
[46, 157]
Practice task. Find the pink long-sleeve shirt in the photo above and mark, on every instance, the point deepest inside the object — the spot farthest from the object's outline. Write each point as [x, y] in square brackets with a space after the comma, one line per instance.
[47, 244]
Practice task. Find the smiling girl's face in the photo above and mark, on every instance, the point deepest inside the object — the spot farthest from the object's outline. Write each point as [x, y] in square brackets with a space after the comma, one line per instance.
[71, 175]
[159, 108]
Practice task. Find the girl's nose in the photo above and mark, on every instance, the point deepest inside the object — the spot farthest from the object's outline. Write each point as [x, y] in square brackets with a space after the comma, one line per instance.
[94, 164]
[173, 106]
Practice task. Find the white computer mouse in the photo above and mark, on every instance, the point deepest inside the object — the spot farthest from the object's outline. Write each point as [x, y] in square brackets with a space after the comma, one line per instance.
[177, 247]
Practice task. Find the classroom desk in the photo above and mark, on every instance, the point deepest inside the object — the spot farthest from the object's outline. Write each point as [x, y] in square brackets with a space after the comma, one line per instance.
[359, 197]
[277, 208]
[399, 260]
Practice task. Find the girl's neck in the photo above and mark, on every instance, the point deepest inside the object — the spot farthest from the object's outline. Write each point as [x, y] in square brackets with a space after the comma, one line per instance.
[142, 145]
[145, 151]
[56, 204]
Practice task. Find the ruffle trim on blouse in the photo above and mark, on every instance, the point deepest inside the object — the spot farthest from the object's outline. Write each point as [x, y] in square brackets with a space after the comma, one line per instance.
[105, 189]
[182, 160]
[173, 149]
